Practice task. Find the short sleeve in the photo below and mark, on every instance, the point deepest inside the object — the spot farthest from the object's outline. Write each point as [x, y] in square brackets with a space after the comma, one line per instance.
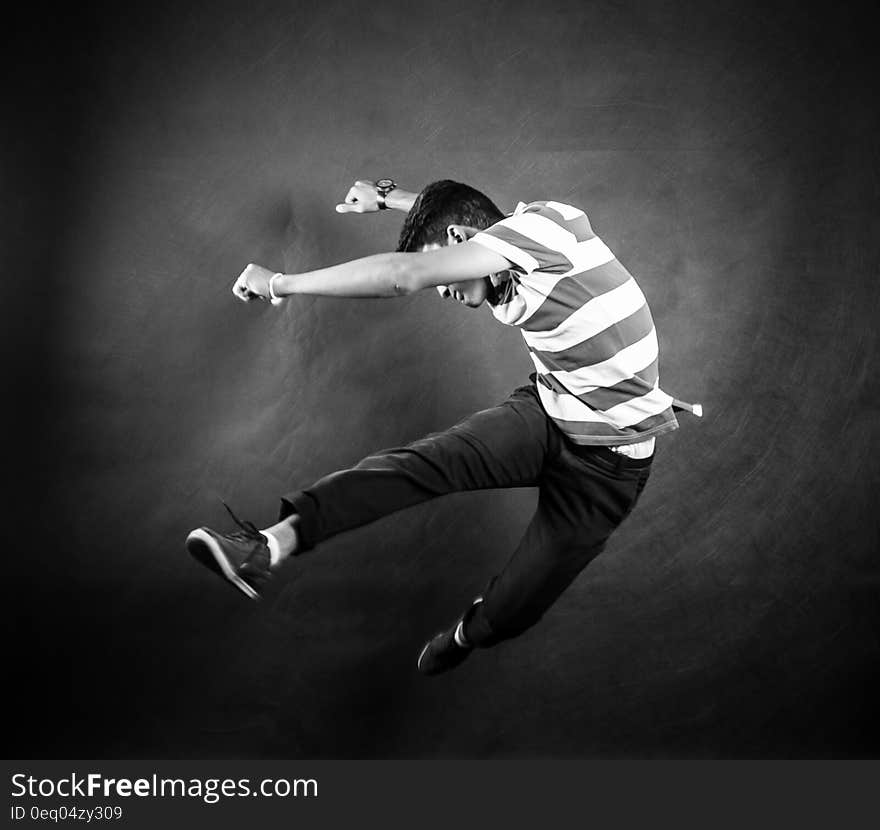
[535, 237]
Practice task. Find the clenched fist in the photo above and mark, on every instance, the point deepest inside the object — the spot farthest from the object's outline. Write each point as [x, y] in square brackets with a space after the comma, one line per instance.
[361, 198]
[253, 284]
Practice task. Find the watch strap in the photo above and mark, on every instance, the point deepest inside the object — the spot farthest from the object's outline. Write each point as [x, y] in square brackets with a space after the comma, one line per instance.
[383, 188]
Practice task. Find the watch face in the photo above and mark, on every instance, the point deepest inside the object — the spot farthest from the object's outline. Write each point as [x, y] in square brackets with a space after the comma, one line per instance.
[385, 184]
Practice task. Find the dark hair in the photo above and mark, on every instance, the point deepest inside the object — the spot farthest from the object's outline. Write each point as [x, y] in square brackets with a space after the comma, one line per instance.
[442, 204]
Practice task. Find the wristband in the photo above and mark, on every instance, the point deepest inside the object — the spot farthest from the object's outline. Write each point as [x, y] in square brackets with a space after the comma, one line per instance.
[272, 295]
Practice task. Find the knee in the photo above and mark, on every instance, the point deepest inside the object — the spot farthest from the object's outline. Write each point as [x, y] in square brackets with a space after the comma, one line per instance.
[386, 460]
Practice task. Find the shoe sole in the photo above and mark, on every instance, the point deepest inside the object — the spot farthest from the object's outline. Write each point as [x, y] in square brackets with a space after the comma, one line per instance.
[419, 661]
[203, 547]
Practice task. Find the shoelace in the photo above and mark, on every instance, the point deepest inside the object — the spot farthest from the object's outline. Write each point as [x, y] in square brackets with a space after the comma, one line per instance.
[248, 529]
[253, 570]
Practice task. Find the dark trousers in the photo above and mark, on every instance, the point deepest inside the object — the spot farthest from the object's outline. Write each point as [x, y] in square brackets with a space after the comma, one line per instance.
[584, 494]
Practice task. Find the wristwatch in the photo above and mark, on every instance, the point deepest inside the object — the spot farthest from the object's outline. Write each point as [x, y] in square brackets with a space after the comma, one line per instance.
[383, 188]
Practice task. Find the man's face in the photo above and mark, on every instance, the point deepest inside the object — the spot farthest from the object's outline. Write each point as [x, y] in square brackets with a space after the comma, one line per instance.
[471, 293]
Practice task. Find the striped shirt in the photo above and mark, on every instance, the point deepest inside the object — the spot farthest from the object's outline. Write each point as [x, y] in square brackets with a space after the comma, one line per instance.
[586, 324]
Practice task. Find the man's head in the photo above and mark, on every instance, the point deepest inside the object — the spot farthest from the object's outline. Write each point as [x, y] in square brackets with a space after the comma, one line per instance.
[449, 213]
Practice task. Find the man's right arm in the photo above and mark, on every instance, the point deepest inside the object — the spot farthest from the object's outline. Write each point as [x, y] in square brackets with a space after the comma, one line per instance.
[362, 198]
[400, 199]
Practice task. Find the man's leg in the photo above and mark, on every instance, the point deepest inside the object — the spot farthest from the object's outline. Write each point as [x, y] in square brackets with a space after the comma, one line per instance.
[583, 498]
[504, 446]
[582, 502]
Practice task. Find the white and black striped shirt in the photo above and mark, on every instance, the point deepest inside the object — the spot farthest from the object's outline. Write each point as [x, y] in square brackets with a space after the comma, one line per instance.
[586, 324]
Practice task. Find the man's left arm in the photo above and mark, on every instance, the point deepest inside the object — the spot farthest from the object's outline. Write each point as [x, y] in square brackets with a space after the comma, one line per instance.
[379, 275]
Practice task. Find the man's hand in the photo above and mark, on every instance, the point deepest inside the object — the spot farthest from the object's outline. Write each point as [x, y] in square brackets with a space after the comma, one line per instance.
[253, 284]
[361, 198]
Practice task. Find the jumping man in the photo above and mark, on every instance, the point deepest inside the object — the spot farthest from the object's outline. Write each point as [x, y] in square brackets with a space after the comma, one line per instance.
[582, 431]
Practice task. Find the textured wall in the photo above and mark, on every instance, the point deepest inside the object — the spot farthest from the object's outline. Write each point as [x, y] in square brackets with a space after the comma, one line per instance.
[726, 153]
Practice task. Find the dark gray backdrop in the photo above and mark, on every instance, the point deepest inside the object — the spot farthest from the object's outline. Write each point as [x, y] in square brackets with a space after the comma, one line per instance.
[726, 152]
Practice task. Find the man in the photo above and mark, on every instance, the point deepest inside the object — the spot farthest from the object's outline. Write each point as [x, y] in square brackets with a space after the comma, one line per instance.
[582, 432]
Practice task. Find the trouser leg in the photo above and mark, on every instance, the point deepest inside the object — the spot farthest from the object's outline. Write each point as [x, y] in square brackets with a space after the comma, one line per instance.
[579, 506]
[504, 446]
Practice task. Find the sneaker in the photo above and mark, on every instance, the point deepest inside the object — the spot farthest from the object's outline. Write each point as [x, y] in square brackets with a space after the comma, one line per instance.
[443, 653]
[241, 558]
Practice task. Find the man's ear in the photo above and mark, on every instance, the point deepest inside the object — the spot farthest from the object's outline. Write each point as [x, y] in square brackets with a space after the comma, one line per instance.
[456, 234]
